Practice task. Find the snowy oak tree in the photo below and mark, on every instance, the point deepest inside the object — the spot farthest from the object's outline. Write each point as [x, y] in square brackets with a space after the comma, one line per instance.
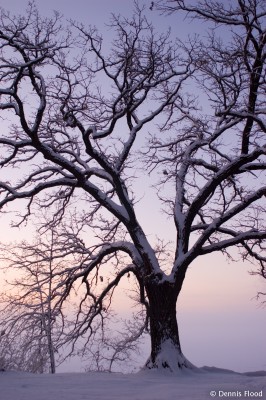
[76, 112]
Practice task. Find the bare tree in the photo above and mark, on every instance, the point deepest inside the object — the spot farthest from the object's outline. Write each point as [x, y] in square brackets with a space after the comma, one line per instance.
[34, 328]
[81, 117]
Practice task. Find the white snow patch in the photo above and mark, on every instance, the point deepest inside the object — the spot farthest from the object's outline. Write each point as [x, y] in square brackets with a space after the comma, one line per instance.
[169, 357]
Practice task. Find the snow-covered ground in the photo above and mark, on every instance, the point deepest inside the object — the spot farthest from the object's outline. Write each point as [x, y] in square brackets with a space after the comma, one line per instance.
[140, 386]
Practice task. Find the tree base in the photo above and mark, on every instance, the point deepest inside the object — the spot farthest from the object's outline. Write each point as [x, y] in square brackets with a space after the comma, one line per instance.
[169, 358]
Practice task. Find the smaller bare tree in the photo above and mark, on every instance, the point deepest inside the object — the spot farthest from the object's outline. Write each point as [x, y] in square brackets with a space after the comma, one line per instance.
[31, 323]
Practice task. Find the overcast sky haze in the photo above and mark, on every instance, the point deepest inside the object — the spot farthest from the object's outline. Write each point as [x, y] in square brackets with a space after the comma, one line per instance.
[221, 324]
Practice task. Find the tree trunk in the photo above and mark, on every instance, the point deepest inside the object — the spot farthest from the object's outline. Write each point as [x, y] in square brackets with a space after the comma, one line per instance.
[165, 345]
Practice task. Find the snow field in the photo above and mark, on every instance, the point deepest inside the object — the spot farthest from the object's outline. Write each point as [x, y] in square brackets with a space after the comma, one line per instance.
[140, 386]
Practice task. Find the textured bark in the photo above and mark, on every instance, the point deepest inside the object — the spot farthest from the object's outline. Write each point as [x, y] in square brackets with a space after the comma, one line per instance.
[165, 344]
